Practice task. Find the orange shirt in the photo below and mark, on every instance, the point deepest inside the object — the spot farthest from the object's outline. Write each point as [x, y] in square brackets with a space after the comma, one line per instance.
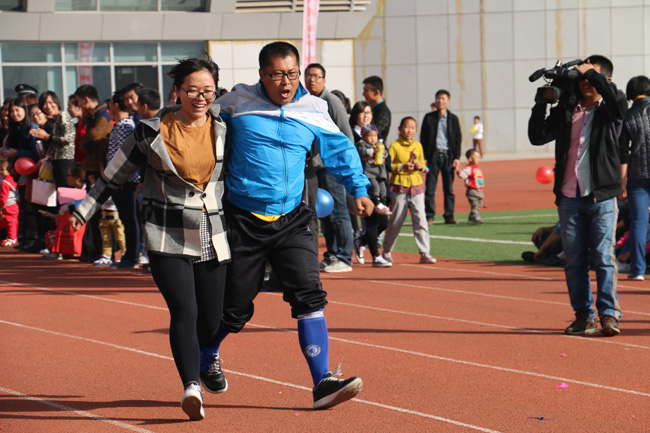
[191, 149]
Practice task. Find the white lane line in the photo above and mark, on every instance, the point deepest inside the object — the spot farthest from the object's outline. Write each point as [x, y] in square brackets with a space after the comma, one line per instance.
[489, 241]
[82, 413]
[250, 376]
[473, 364]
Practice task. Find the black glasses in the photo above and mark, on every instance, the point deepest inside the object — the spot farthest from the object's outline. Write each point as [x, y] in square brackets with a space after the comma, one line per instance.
[193, 94]
[278, 76]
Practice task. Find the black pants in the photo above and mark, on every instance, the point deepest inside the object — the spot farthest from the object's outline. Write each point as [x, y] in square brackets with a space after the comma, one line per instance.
[440, 164]
[288, 245]
[126, 201]
[194, 295]
[375, 224]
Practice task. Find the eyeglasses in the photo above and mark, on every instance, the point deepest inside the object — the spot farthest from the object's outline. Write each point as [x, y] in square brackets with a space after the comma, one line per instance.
[312, 76]
[35, 113]
[193, 94]
[279, 76]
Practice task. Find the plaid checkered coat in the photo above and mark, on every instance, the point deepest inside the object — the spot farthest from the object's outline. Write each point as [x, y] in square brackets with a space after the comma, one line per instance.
[172, 207]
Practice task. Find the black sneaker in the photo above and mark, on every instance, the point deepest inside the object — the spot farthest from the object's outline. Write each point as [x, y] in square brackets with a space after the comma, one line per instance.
[214, 380]
[331, 391]
[609, 326]
[528, 256]
[582, 325]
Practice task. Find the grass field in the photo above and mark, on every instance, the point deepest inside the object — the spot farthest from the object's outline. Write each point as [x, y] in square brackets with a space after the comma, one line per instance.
[501, 238]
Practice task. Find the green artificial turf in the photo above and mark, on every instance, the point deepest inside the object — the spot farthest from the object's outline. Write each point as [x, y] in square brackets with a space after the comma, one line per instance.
[513, 231]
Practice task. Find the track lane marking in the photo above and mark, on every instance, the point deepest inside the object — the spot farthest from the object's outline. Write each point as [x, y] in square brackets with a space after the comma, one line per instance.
[247, 375]
[82, 413]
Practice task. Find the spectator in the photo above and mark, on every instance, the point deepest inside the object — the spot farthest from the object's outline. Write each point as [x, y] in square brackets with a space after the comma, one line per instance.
[77, 116]
[477, 135]
[131, 100]
[473, 177]
[8, 204]
[360, 116]
[373, 89]
[125, 197]
[441, 138]
[148, 103]
[549, 247]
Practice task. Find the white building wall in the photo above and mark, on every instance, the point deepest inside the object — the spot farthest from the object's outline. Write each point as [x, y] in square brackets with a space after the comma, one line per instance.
[483, 51]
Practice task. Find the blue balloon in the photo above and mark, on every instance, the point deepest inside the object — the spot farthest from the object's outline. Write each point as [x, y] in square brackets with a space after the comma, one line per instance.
[324, 203]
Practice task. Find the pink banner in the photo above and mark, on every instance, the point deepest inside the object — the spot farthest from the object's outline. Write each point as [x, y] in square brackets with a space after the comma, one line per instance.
[310, 20]
[85, 73]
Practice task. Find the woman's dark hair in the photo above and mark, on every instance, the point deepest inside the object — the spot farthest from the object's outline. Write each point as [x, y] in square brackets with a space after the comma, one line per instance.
[277, 49]
[637, 86]
[186, 67]
[344, 99]
[118, 98]
[76, 170]
[18, 132]
[51, 94]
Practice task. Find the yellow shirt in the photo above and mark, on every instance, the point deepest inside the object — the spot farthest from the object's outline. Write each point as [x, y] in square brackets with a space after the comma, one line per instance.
[401, 152]
[191, 149]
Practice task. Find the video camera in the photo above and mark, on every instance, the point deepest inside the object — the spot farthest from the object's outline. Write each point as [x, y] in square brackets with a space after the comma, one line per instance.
[562, 84]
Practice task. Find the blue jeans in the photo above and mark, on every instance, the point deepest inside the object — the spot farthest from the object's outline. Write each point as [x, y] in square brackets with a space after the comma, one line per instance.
[337, 228]
[638, 193]
[588, 237]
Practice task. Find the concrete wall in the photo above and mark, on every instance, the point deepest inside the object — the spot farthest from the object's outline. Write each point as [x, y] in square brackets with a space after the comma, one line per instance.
[483, 51]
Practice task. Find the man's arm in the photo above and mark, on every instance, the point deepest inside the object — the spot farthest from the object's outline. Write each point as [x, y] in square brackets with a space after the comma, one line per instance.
[339, 115]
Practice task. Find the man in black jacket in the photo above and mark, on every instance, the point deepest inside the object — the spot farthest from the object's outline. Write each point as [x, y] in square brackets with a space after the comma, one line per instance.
[588, 167]
[441, 138]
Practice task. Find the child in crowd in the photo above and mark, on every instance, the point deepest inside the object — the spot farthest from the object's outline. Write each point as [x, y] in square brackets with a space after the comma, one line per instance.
[477, 135]
[373, 156]
[407, 191]
[473, 177]
[111, 228]
[8, 205]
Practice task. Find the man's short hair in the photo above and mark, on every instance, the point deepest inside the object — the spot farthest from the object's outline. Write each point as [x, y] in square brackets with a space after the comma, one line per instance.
[477, 118]
[277, 49]
[375, 82]
[316, 65]
[606, 65]
[132, 86]
[637, 86]
[149, 96]
[76, 170]
[118, 98]
[443, 92]
[87, 91]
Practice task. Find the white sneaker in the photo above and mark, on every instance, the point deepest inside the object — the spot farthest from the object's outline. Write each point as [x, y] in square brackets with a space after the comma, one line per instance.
[338, 266]
[192, 402]
[359, 249]
[387, 256]
[44, 251]
[427, 259]
[380, 262]
[382, 209]
[103, 261]
[635, 277]
[143, 259]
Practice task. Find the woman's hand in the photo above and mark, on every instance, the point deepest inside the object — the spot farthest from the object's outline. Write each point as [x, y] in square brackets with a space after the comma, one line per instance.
[74, 222]
[40, 134]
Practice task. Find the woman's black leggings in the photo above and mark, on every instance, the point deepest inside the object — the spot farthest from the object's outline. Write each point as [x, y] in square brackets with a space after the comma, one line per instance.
[194, 296]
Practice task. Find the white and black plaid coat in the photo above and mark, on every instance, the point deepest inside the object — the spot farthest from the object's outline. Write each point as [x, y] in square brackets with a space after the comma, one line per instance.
[172, 207]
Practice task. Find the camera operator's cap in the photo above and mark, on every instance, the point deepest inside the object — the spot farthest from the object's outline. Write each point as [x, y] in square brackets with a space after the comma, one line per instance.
[26, 89]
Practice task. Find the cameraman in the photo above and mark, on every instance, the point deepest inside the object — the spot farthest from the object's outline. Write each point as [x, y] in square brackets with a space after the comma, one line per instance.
[588, 168]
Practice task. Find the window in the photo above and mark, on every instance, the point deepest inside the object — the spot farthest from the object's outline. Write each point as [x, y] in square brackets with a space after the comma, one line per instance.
[64, 67]
[126, 5]
[12, 5]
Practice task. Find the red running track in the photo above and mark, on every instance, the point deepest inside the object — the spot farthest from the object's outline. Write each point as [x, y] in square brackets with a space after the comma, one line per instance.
[454, 347]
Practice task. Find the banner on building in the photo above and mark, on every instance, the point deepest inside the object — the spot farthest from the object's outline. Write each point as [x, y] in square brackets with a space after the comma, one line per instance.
[310, 20]
[85, 73]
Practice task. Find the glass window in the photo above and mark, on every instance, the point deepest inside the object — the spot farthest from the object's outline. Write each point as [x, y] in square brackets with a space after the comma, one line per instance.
[184, 5]
[86, 52]
[145, 75]
[12, 5]
[75, 5]
[135, 52]
[128, 5]
[172, 51]
[30, 52]
[98, 76]
[41, 77]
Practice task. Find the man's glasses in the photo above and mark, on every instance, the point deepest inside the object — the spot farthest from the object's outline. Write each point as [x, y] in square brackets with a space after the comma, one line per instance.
[193, 94]
[278, 76]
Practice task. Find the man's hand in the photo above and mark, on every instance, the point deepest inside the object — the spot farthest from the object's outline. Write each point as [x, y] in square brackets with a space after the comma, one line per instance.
[538, 234]
[74, 221]
[456, 164]
[584, 67]
[365, 206]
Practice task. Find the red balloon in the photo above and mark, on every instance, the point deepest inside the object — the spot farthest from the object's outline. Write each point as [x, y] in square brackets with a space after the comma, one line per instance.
[545, 175]
[25, 166]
